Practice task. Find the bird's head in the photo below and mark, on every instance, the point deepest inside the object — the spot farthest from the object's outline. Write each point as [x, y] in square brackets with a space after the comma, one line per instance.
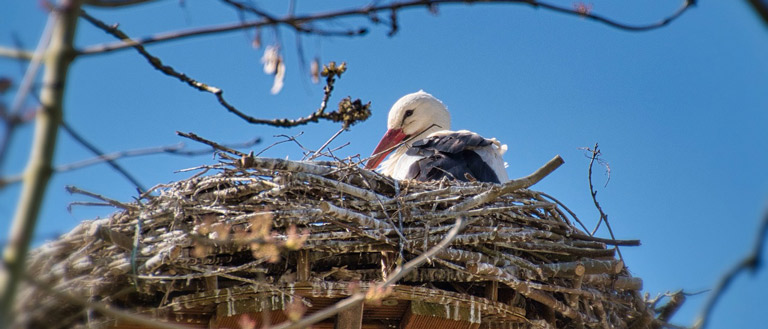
[412, 117]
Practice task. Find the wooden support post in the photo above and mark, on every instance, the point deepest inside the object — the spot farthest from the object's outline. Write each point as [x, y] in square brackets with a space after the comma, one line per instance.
[492, 290]
[303, 266]
[351, 318]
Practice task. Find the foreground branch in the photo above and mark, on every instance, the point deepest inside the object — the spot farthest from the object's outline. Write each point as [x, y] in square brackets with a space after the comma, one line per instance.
[39, 169]
[752, 263]
[371, 11]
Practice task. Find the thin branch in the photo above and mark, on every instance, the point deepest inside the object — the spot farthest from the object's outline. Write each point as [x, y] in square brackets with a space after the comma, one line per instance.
[100, 156]
[603, 215]
[176, 149]
[286, 140]
[370, 11]
[158, 64]
[298, 27]
[751, 262]
[320, 149]
[213, 144]
[612, 23]
[114, 203]
[573, 215]
[349, 113]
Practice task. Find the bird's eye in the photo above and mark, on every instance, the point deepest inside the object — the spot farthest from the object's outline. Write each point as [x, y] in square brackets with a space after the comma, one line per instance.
[408, 113]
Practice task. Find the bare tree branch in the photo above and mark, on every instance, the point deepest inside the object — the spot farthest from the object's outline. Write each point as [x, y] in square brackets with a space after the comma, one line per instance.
[370, 11]
[59, 56]
[349, 111]
[297, 27]
[752, 262]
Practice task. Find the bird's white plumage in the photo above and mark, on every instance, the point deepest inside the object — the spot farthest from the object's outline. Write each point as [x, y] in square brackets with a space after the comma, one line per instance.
[430, 118]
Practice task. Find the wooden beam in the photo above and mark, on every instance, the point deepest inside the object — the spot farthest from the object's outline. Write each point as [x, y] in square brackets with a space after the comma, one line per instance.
[492, 290]
[351, 318]
[303, 266]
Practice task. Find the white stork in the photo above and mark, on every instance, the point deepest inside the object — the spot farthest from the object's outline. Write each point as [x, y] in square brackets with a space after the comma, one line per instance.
[431, 151]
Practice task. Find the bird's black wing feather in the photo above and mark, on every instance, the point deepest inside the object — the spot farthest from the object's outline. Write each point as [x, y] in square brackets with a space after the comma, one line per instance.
[451, 156]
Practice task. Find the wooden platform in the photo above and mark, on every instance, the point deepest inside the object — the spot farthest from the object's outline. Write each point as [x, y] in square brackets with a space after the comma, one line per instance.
[407, 307]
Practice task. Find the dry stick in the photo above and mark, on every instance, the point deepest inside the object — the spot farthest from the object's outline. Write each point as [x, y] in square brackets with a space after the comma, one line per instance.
[343, 187]
[603, 216]
[573, 215]
[508, 187]
[366, 11]
[350, 216]
[38, 171]
[115, 203]
[359, 297]
[319, 150]
[751, 262]
[215, 145]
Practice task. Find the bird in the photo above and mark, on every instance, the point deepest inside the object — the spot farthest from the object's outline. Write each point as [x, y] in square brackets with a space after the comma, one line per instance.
[428, 150]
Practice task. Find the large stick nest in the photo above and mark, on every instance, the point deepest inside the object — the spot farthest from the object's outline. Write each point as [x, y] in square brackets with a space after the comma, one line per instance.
[252, 221]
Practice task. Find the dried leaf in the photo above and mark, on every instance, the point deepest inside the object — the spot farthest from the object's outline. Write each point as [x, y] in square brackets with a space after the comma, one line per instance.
[314, 69]
[271, 59]
[277, 85]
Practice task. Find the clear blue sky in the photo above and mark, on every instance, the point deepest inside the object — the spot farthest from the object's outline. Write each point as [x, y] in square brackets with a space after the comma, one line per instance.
[681, 114]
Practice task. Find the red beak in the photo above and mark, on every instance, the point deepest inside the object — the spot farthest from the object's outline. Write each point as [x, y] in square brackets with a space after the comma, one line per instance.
[390, 139]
